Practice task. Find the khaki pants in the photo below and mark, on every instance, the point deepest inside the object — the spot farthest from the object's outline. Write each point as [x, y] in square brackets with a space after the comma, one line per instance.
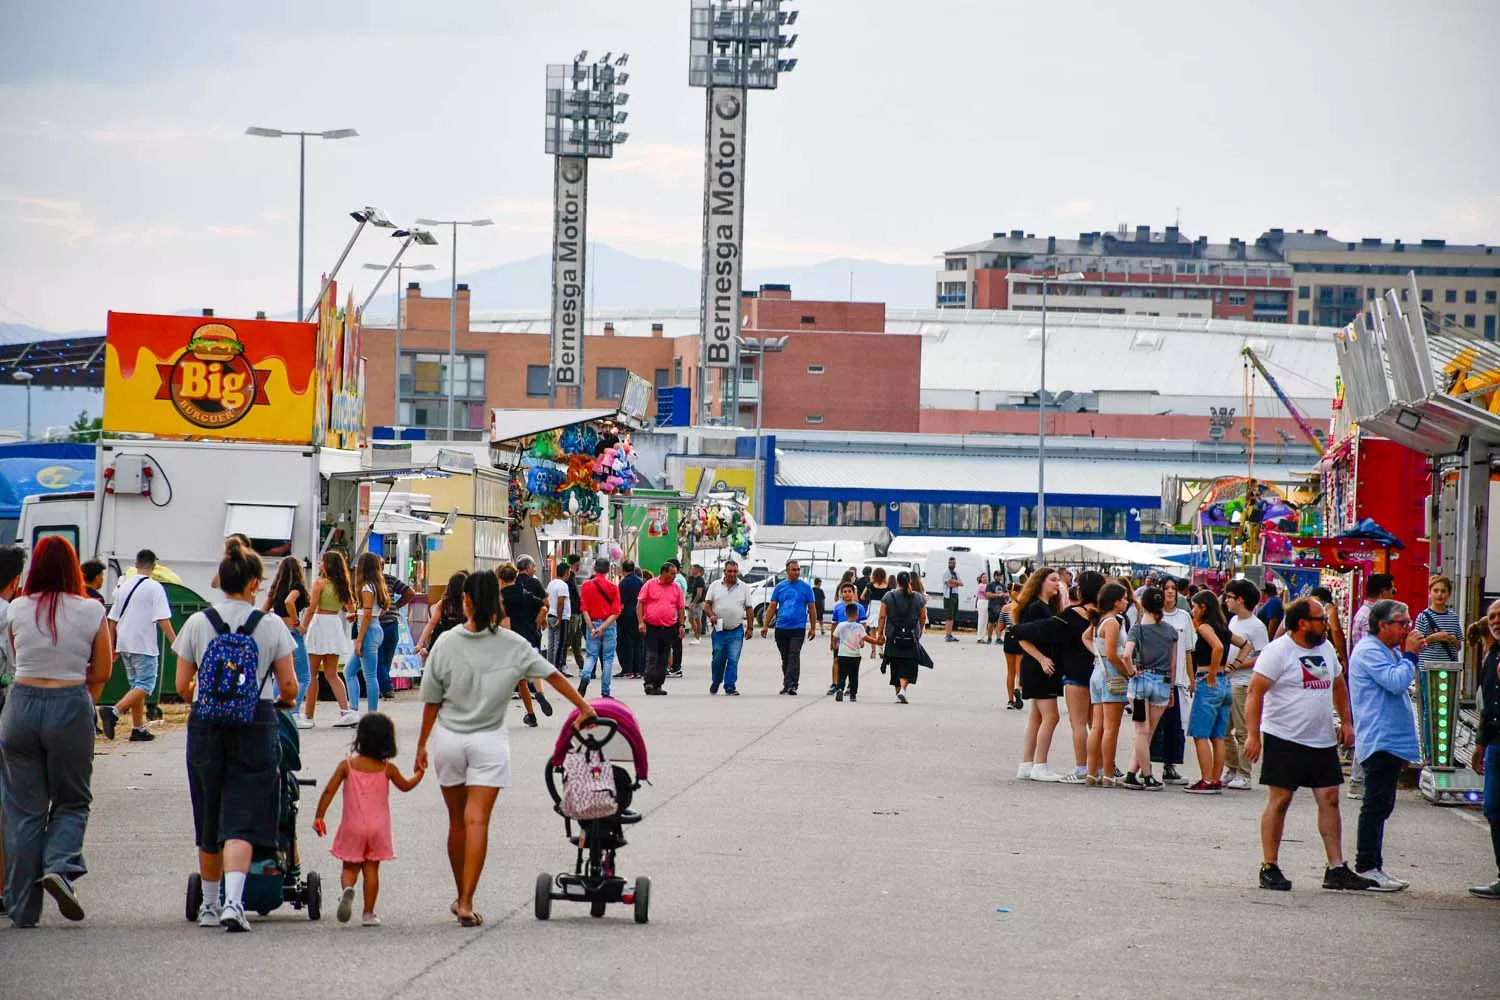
[1234, 743]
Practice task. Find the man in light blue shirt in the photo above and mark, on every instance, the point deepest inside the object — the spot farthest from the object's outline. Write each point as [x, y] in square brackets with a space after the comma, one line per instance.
[794, 609]
[1381, 670]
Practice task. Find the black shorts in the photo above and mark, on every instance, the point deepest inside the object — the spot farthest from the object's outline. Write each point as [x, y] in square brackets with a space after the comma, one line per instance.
[1287, 764]
[1035, 682]
[950, 604]
[234, 780]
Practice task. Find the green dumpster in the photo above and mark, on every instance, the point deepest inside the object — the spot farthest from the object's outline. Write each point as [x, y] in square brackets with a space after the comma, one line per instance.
[184, 603]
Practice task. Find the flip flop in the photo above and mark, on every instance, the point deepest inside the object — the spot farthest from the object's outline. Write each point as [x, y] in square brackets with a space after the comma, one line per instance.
[475, 919]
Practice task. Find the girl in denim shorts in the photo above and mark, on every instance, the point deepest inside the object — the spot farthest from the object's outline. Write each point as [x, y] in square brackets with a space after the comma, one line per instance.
[1152, 648]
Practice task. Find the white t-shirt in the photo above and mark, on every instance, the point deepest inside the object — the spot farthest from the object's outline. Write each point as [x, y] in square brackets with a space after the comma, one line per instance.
[730, 603]
[1299, 704]
[272, 639]
[850, 637]
[1254, 632]
[34, 650]
[135, 631]
[555, 589]
[1182, 620]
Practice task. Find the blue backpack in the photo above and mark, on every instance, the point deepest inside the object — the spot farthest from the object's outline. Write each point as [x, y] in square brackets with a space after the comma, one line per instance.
[227, 692]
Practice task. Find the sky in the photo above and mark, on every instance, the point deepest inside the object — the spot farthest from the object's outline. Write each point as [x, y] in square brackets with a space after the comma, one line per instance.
[127, 183]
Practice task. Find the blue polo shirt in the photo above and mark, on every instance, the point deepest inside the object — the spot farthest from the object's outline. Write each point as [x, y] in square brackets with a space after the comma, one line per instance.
[1379, 678]
[791, 601]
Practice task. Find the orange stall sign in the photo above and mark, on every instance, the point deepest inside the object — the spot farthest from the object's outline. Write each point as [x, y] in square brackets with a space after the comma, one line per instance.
[203, 377]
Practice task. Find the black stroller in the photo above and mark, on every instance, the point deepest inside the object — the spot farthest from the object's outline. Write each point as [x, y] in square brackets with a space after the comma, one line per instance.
[593, 879]
[276, 875]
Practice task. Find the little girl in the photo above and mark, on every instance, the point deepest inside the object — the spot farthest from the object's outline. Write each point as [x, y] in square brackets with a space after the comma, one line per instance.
[364, 837]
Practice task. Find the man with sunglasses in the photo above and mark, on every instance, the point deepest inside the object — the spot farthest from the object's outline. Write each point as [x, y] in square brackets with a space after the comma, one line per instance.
[1381, 670]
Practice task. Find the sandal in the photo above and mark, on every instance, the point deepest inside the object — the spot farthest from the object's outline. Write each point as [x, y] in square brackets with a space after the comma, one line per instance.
[474, 919]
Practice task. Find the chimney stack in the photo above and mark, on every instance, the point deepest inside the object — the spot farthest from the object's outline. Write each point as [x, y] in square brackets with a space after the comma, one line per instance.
[260, 314]
[609, 329]
[656, 330]
[208, 312]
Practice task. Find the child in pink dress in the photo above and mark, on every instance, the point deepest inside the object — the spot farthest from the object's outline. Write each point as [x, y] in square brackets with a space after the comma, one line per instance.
[364, 836]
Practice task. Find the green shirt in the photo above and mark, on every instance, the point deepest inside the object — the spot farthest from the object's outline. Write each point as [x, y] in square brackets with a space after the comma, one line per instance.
[473, 674]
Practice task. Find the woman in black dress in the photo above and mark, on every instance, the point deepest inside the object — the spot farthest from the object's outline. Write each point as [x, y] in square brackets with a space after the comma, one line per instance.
[903, 618]
[1041, 680]
[1009, 616]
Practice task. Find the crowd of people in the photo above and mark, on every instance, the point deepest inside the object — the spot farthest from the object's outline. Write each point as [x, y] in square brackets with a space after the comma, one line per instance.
[1243, 676]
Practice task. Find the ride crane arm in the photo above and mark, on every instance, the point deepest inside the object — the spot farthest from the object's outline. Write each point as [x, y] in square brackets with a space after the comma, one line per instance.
[1302, 424]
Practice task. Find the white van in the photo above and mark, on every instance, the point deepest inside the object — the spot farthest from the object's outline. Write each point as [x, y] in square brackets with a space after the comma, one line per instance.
[969, 565]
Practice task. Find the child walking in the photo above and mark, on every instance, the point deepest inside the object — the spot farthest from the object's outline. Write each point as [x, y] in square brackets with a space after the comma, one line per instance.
[364, 837]
[849, 638]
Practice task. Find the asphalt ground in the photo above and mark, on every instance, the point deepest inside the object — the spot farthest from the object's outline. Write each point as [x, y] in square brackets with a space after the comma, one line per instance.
[798, 848]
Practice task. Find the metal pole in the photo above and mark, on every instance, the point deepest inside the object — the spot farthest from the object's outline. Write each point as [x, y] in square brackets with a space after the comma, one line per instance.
[1041, 439]
[328, 280]
[301, 211]
[452, 329]
[759, 506]
[28, 408]
[400, 291]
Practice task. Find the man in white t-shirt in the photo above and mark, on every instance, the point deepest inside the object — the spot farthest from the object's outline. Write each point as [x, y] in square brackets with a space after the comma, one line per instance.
[727, 605]
[139, 611]
[1298, 682]
[559, 613]
[1240, 598]
[1169, 742]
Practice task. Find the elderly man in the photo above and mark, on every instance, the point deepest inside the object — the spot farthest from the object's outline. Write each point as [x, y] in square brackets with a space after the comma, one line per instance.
[662, 610]
[1486, 758]
[1298, 682]
[727, 604]
[1381, 669]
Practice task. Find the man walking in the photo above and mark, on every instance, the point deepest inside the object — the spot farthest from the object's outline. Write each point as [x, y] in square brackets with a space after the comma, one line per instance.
[1381, 670]
[140, 610]
[525, 602]
[601, 606]
[663, 615]
[578, 625]
[1297, 685]
[1379, 587]
[630, 650]
[390, 630]
[697, 593]
[727, 604]
[794, 610]
[1241, 597]
[952, 584]
[559, 617]
[1486, 756]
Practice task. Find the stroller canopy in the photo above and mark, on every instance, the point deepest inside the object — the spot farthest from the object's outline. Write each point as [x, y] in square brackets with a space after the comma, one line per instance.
[629, 730]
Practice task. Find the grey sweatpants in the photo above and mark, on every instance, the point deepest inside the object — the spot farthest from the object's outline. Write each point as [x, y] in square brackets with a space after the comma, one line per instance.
[46, 764]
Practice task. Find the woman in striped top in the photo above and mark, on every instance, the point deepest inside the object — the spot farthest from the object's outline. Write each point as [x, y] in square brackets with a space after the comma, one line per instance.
[1440, 626]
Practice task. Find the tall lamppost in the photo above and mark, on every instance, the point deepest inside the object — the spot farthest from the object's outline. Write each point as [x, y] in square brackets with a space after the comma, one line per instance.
[26, 378]
[735, 46]
[276, 133]
[453, 303]
[1041, 412]
[759, 347]
[400, 292]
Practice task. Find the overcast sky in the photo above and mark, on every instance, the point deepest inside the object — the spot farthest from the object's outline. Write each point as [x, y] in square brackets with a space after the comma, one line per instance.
[126, 181]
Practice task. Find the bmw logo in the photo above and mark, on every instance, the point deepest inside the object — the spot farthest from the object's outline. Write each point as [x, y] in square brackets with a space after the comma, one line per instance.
[728, 106]
[572, 171]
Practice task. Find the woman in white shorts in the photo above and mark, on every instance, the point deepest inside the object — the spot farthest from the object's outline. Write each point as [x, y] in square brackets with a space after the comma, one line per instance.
[327, 635]
[467, 684]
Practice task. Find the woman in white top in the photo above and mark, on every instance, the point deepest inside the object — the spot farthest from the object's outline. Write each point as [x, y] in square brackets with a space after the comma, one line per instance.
[467, 684]
[61, 650]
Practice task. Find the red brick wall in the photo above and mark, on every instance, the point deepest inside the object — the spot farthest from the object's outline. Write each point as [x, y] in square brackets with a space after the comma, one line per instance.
[991, 290]
[787, 314]
[870, 382]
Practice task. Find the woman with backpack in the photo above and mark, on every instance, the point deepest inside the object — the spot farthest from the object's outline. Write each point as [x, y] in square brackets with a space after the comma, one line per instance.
[288, 601]
[374, 600]
[903, 617]
[327, 638]
[233, 753]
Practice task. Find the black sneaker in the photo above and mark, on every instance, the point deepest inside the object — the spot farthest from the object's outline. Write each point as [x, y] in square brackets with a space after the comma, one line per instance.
[109, 718]
[542, 702]
[832, 688]
[1271, 878]
[713, 689]
[1133, 782]
[853, 696]
[1343, 877]
[792, 692]
[142, 735]
[1170, 776]
[1151, 784]
[674, 673]
[901, 699]
[782, 691]
[583, 690]
[838, 695]
[530, 719]
[61, 890]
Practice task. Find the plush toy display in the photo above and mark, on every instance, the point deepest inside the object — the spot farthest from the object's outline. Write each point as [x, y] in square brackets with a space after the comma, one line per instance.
[566, 470]
[712, 522]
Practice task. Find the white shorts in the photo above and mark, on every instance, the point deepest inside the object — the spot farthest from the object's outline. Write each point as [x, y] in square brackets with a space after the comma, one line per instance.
[481, 758]
[328, 635]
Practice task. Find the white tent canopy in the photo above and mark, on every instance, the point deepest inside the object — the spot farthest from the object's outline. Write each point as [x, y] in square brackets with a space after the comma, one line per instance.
[512, 425]
[1059, 551]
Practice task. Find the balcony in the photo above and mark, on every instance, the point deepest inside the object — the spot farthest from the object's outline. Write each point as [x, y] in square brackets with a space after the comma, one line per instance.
[749, 390]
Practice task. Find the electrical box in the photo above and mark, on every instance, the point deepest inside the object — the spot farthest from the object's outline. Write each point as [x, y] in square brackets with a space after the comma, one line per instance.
[129, 477]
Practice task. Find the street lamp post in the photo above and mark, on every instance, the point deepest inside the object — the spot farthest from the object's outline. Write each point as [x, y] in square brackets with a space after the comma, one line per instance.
[26, 378]
[276, 133]
[453, 224]
[759, 347]
[1041, 413]
[400, 291]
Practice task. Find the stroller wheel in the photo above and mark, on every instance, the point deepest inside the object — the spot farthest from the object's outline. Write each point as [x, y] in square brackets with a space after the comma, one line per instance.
[194, 896]
[314, 896]
[642, 899]
[543, 896]
[597, 908]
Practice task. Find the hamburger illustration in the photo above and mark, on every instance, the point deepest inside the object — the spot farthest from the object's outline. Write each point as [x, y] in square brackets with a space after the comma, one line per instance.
[215, 342]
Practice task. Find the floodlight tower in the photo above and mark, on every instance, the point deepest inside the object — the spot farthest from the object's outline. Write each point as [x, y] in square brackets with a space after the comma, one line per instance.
[584, 106]
[735, 46]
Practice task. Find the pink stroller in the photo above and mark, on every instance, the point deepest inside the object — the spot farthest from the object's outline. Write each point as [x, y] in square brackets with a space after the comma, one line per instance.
[617, 736]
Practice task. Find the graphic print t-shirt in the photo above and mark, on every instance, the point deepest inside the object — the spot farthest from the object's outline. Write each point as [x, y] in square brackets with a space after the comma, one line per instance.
[1299, 705]
[850, 635]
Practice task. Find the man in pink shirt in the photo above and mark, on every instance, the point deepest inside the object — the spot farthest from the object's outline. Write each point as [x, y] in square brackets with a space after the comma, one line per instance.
[662, 609]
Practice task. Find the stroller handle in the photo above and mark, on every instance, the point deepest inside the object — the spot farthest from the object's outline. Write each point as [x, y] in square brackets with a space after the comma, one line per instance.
[590, 742]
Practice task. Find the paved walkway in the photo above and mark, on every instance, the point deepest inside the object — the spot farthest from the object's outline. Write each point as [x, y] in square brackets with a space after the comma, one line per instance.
[799, 848]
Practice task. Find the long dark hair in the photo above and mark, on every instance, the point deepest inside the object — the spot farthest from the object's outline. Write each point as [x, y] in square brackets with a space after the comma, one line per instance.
[375, 736]
[54, 572]
[1213, 614]
[903, 580]
[483, 591]
[1109, 595]
[371, 576]
[288, 578]
[1089, 583]
[1032, 590]
[1154, 602]
[336, 572]
[239, 568]
[453, 596]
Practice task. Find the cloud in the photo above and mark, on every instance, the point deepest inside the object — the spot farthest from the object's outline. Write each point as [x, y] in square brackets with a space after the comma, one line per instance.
[154, 132]
[69, 218]
[662, 161]
[1078, 206]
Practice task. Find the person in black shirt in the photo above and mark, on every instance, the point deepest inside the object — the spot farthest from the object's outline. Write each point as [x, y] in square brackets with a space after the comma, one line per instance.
[523, 610]
[630, 651]
[1486, 756]
[390, 625]
[862, 585]
[820, 599]
[93, 579]
[579, 622]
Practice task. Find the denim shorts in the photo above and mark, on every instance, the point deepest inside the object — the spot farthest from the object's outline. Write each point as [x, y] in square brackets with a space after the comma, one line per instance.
[141, 670]
[1099, 686]
[1154, 689]
[1209, 718]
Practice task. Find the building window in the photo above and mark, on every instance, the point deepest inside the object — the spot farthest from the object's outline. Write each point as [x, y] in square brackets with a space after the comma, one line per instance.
[1302, 292]
[1451, 295]
[663, 378]
[1489, 297]
[815, 418]
[609, 383]
[424, 381]
[536, 381]
[814, 369]
[1369, 293]
[809, 319]
[1302, 316]
[1469, 320]
[1489, 327]
[956, 264]
[1426, 295]
[1236, 298]
[1471, 296]
[1450, 318]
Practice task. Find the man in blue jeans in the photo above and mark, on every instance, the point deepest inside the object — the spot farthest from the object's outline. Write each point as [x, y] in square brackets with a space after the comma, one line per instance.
[726, 605]
[600, 601]
[794, 609]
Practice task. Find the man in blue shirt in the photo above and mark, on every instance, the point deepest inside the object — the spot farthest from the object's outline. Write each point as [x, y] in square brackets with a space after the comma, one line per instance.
[1381, 669]
[794, 608]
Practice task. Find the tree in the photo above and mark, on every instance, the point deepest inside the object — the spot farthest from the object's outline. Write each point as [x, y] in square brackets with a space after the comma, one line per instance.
[85, 428]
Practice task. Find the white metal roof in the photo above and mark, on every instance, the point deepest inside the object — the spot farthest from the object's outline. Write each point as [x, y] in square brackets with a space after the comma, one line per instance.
[509, 425]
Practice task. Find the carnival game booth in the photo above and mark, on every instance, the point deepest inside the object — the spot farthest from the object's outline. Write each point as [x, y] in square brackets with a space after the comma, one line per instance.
[1424, 383]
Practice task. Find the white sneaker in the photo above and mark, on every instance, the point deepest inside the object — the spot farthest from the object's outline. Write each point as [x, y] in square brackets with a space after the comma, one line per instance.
[1238, 783]
[302, 721]
[232, 918]
[370, 920]
[348, 717]
[346, 905]
[1071, 778]
[1023, 773]
[1041, 772]
[1356, 791]
[208, 914]
[1383, 882]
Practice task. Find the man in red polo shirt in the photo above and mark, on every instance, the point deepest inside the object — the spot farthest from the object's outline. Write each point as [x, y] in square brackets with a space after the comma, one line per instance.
[662, 611]
[601, 606]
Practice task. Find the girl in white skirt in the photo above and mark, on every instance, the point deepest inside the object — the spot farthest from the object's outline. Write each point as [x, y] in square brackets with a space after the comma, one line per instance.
[327, 633]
